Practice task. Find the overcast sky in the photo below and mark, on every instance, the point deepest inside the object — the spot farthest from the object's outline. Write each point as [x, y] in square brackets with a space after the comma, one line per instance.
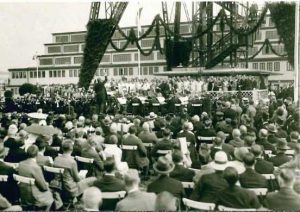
[25, 27]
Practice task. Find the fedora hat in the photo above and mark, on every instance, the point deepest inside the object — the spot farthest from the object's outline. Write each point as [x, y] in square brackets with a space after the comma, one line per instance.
[163, 165]
[220, 162]
[152, 115]
[272, 128]
[282, 144]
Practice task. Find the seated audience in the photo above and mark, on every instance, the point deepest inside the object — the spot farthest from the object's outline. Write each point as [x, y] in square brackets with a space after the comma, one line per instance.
[165, 201]
[280, 157]
[261, 165]
[234, 196]
[181, 173]
[237, 141]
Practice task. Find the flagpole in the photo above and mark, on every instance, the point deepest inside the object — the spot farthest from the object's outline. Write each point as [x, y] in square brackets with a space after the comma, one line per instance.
[296, 53]
[37, 68]
[138, 35]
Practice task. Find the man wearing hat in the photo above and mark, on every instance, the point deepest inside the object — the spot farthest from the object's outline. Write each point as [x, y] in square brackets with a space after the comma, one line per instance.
[210, 184]
[294, 139]
[208, 130]
[263, 141]
[272, 130]
[280, 157]
[164, 166]
[135, 200]
[261, 165]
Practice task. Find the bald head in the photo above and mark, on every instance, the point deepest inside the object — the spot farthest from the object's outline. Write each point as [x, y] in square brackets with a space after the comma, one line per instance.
[236, 133]
[92, 198]
[243, 129]
[263, 133]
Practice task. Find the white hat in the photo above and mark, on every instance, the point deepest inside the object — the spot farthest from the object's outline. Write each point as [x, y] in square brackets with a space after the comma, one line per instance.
[221, 161]
[12, 129]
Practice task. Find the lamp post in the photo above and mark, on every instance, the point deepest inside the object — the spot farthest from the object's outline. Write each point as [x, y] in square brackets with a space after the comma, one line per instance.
[36, 58]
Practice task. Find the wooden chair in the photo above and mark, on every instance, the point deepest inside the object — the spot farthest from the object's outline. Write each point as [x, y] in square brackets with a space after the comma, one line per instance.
[129, 147]
[21, 179]
[201, 138]
[269, 176]
[3, 178]
[84, 160]
[290, 152]
[259, 191]
[163, 152]
[148, 145]
[188, 184]
[113, 195]
[56, 148]
[191, 204]
[53, 170]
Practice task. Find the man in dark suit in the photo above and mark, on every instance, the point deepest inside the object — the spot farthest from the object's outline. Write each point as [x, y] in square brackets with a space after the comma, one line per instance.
[229, 112]
[217, 146]
[264, 142]
[164, 166]
[280, 157]
[229, 149]
[136, 159]
[286, 198]
[234, 196]
[164, 144]
[8, 189]
[261, 166]
[101, 94]
[41, 159]
[250, 178]
[210, 184]
[181, 173]
[15, 154]
[272, 130]
[109, 183]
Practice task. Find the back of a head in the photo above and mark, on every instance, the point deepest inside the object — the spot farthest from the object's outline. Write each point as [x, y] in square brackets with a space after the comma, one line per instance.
[263, 133]
[243, 129]
[231, 175]
[146, 127]
[286, 177]
[132, 178]
[32, 151]
[67, 146]
[92, 198]
[256, 150]
[40, 143]
[165, 201]
[166, 132]
[109, 165]
[132, 130]
[249, 159]
[177, 156]
[218, 141]
[221, 135]
[113, 139]
[236, 133]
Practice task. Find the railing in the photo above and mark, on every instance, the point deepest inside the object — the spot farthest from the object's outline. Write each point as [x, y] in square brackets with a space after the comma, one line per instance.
[251, 94]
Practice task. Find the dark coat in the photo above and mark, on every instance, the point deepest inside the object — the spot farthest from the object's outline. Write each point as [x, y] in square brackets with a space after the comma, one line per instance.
[251, 179]
[16, 155]
[190, 137]
[263, 167]
[97, 167]
[135, 159]
[207, 188]
[182, 174]
[266, 145]
[9, 189]
[165, 183]
[284, 199]
[109, 184]
[164, 144]
[237, 197]
[279, 159]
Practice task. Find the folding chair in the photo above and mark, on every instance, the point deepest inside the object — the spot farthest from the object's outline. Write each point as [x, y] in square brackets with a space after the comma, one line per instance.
[25, 185]
[113, 195]
[21, 179]
[3, 178]
[223, 208]
[259, 191]
[56, 148]
[191, 204]
[163, 152]
[84, 165]
[272, 182]
[129, 147]
[188, 184]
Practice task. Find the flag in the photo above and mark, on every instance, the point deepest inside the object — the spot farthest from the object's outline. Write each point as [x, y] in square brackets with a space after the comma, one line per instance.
[138, 16]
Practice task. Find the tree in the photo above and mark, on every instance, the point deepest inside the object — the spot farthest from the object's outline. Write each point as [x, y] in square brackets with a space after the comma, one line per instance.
[8, 94]
[28, 88]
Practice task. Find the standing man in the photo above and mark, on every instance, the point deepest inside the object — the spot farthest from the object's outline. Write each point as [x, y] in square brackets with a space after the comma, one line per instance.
[101, 94]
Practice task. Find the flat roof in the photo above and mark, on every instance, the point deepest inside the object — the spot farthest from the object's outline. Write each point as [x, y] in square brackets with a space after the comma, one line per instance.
[184, 71]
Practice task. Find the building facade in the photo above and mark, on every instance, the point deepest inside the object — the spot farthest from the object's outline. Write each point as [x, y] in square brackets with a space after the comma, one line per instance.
[60, 64]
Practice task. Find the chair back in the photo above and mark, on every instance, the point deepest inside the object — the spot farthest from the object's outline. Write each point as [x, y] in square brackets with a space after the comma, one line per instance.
[195, 170]
[290, 152]
[84, 160]
[205, 138]
[198, 205]
[53, 170]
[114, 195]
[188, 184]
[3, 178]
[148, 145]
[56, 148]
[223, 208]
[259, 191]
[129, 147]
[163, 152]
[25, 180]
[269, 176]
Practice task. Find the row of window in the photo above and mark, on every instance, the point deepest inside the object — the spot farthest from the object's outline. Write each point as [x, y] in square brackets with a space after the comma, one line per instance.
[271, 66]
[70, 38]
[66, 49]
[101, 72]
[23, 74]
[62, 73]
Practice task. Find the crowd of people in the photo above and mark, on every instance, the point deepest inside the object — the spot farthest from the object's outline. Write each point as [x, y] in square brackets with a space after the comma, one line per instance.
[71, 159]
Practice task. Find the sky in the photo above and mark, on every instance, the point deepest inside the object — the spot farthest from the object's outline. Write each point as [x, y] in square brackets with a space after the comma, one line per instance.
[27, 26]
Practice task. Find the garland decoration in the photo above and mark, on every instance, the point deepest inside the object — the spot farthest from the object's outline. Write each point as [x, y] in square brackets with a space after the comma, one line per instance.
[283, 16]
[98, 34]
